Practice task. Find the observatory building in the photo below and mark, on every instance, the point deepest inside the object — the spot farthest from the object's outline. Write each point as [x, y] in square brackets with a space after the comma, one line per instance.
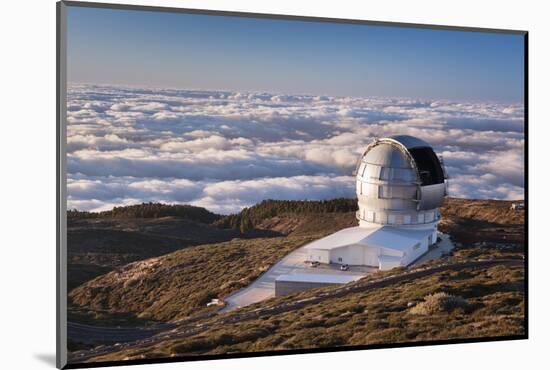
[400, 185]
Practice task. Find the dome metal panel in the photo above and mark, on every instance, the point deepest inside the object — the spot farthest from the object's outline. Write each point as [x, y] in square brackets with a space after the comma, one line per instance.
[391, 185]
[387, 155]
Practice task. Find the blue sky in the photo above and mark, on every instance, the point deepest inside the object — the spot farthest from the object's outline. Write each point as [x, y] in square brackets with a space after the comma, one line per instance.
[242, 54]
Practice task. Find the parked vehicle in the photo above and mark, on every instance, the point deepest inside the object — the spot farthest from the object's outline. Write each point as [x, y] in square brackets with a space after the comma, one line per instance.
[314, 263]
[344, 267]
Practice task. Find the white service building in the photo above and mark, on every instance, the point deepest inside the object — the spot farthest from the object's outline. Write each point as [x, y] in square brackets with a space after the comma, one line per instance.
[400, 184]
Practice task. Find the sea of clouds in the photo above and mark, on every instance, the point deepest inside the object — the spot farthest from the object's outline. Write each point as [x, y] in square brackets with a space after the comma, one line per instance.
[228, 150]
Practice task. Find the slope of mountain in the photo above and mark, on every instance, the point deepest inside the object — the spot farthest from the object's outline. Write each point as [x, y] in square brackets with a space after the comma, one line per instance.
[99, 242]
[252, 218]
[149, 210]
[472, 222]
[178, 284]
[460, 300]
[492, 211]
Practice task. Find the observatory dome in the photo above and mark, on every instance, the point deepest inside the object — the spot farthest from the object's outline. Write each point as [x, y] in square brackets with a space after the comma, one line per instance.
[400, 181]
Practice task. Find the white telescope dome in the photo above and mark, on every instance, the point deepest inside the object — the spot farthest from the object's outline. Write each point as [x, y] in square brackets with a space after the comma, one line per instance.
[400, 181]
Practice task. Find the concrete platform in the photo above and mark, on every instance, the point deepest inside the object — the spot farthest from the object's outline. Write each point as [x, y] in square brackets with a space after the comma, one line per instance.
[293, 263]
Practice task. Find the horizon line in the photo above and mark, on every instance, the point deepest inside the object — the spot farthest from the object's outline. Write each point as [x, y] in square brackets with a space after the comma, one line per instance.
[274, 92]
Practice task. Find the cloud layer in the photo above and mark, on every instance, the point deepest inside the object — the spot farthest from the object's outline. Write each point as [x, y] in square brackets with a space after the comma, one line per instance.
[228, 150]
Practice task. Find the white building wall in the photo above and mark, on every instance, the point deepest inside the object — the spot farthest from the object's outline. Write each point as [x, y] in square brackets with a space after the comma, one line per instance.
[319, 255]
[351, 254]
[357, 254]
[415, 251]
[370, 257]
[391, 252]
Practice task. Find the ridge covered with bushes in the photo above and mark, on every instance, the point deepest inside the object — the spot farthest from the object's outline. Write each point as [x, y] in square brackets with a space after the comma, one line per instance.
[249, 218]
[150, 210]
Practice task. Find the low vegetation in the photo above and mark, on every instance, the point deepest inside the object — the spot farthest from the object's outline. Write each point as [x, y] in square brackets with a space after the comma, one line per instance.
[439, 302]
[97, 245]
[492, 305]
[249, 218]
[180, 284]
[466, 303]
[491, 211]
[150, 210]
[474, 222]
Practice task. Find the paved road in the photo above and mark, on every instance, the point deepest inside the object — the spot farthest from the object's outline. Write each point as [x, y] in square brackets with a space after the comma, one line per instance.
[264, 287]
[90, 334]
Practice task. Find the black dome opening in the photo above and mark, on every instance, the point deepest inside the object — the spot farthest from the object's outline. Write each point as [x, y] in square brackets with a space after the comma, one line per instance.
[428, 166]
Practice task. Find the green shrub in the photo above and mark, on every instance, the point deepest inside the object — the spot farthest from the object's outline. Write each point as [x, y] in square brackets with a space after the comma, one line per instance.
[438, 302]
[253, 334]
[358, 308]
[312, 323]
[192, 345]
[226, 339]
[333, 321]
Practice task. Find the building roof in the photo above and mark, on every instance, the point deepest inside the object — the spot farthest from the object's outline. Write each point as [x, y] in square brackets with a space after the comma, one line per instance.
[319, 278]
[395, 238]
[388, 237]
[342, 238]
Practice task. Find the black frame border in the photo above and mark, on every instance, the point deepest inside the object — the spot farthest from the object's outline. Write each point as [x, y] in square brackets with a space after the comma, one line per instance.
[61, 65]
